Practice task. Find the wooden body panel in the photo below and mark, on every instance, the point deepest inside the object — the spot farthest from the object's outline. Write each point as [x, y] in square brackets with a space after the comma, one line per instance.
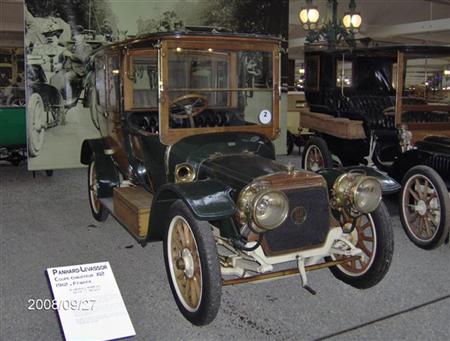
[132, 208]
[335, 126]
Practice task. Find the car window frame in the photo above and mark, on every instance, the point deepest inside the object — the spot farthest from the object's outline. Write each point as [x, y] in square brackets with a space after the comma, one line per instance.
[128, 78]
[169, 136]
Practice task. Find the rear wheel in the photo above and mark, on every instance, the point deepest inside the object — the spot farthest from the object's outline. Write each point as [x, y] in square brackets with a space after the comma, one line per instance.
[192, 265]
[373, 235]
[99, 212]
[36, 124]
[316, 155]
[425, 207]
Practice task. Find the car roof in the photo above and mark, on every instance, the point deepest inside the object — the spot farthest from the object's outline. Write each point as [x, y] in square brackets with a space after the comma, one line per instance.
[150, 39]
[373, 48]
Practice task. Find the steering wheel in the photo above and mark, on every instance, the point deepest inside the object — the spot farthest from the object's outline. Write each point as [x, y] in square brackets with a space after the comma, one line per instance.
[188, 106]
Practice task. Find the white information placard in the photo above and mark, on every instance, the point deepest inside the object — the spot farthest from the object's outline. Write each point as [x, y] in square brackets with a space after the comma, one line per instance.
[89, 302]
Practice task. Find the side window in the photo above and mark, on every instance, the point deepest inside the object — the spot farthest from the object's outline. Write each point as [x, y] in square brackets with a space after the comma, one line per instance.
[100, 81]
[113, 82]
[344, 73]
[312, 73]
[145, 81]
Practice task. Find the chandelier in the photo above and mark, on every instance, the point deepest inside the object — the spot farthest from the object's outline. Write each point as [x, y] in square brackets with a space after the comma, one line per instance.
[332, 31]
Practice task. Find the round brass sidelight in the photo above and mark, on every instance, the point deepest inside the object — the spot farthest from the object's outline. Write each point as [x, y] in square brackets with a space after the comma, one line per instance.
[184, 172]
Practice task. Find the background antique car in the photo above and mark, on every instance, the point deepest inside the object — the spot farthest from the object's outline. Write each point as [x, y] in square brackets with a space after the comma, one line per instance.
[12, 135]
[13, 139]
[186, 157]
[386, 107]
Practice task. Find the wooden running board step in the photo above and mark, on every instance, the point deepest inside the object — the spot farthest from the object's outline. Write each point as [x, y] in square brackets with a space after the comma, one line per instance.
[131, 207]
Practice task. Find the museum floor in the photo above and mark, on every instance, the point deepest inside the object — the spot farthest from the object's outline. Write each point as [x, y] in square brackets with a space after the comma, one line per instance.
[46, 222]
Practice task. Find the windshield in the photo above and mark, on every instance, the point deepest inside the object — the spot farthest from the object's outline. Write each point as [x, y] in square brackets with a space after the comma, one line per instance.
[209, 88]
[426, 90]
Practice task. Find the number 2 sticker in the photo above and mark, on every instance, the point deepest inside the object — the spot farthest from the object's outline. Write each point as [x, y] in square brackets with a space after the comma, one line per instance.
[265, 117]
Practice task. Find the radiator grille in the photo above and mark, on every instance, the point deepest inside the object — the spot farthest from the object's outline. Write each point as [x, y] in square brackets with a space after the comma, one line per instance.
[440, 164]
[306, 226]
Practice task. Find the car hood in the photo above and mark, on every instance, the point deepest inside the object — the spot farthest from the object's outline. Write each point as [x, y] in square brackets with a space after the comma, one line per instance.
[197, 149]
[435, 144]
[238, 170]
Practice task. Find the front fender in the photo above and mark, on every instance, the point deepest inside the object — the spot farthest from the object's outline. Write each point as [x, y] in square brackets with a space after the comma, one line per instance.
[388, 184]
[107, 175]
[209, 200]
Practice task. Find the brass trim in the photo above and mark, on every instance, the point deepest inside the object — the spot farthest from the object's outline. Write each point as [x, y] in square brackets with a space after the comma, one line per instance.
[184, 172]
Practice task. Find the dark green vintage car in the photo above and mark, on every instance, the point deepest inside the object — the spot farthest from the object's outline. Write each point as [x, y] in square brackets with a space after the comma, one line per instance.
[186, 157]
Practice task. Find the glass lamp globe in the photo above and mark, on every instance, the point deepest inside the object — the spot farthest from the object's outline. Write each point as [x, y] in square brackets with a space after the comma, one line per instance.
[313, 15]
[352, 21]
[309, 16]
[303, 16]
[356, 21]
[347, 21]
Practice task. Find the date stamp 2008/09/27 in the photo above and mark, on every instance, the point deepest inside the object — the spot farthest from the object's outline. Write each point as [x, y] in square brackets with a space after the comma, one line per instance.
[48, 304]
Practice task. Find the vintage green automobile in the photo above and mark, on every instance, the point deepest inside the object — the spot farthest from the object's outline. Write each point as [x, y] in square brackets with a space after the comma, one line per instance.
[13, 138]
[186, 157]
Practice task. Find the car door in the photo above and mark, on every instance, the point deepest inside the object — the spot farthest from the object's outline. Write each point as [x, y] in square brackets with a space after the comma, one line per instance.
[113, 112]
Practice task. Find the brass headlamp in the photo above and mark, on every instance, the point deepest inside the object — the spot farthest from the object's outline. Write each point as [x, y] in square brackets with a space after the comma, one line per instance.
[357, 193]
[264, 206]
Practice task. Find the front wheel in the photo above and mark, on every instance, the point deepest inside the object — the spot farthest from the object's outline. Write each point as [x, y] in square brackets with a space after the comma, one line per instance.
[374, 237]
[425, 207]
[316, 155]
[192, 265]
[36, 124]
[99, 212]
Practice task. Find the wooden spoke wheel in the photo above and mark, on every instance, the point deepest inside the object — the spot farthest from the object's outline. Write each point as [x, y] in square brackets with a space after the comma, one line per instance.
[192, 265]
[425, 207]
[316, 155]
[99, 212]
[374, 237]
[36, 124]
[184, 263]
[363, 237]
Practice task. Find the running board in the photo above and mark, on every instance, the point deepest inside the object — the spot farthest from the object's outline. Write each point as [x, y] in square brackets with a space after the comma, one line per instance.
[131, 207]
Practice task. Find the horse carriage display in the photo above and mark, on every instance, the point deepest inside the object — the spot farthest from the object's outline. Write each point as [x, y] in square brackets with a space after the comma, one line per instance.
[58, 78]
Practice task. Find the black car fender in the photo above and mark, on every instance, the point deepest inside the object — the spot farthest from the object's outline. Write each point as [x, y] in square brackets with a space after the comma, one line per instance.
[209, 200]
[49, 94]
[107, 175]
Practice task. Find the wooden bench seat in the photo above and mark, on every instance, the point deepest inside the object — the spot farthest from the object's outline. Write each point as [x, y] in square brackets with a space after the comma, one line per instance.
[335, 126]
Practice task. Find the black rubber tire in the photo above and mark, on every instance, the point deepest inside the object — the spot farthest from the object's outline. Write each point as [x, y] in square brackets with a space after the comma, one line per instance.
[383, 253]
[49, 172]
[289, 142]
[321, 145]
[442, 192]
[102, 214]
[210, 267]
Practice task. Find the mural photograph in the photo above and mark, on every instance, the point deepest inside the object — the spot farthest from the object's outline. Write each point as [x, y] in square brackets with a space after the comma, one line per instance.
[60, 38]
